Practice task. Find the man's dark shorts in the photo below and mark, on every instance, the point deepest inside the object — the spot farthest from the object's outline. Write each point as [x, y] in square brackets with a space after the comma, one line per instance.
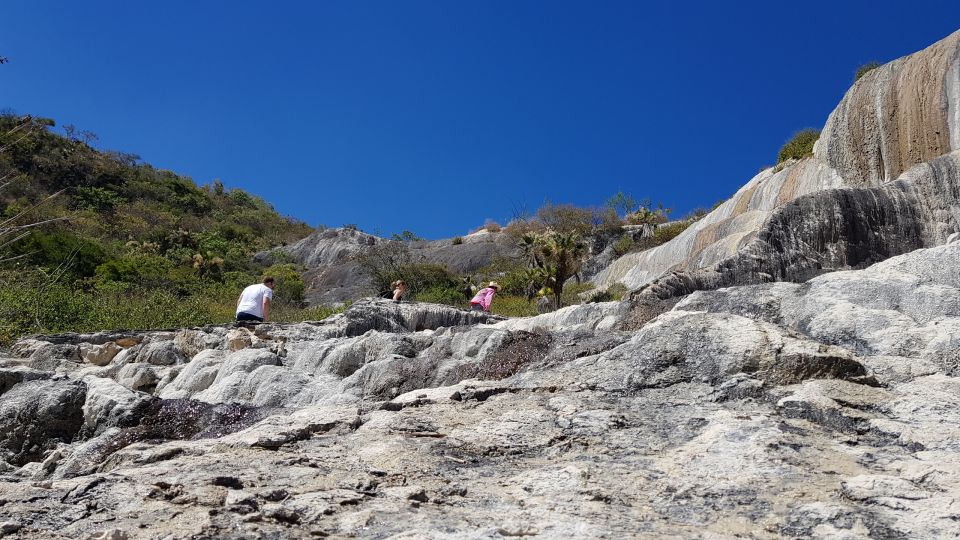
[244, 316]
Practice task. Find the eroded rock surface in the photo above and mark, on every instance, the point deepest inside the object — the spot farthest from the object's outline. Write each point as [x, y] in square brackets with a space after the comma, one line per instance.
[883, 180]
[825, 409]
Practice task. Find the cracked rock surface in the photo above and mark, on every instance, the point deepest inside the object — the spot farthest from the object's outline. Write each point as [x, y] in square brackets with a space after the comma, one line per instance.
[826, 409]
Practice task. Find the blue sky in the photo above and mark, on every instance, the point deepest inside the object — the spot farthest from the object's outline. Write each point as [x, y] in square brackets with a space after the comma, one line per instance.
[435, 116]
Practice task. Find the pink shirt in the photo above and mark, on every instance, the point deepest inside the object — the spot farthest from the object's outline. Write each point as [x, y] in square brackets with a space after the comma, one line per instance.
[484, 297]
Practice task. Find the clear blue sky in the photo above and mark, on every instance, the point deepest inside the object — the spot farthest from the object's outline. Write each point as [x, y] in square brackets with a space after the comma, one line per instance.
[434, 116]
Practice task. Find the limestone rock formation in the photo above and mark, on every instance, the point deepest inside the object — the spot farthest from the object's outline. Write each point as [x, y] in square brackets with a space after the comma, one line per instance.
[823, 409]
[334, 276]
[883, 180]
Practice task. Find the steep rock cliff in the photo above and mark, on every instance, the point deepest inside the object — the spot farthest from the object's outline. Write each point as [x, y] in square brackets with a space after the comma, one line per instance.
[892, 124]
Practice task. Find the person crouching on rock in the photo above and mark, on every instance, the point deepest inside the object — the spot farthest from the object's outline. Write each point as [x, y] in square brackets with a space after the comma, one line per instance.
[483, 299]
[254, 301]
[397, 289]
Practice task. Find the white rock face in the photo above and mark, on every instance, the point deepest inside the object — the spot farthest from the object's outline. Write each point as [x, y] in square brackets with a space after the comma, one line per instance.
[896, 118]
[590, 317]
[726, 229]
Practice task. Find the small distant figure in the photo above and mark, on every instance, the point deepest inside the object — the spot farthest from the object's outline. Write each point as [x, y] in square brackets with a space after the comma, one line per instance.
[254, 301]
[397, 289]
[483, 299]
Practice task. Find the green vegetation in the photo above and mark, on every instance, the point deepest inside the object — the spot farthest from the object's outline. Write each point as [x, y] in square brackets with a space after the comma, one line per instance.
[615, 292]
[555, 257]
[865, 68]
[667, 232]
[648, 215]
[95, 240]
[623, 245]
[390, 261]
[513, 306]
[799, 146]
[122, 244]
[457, 240]
[406, 236]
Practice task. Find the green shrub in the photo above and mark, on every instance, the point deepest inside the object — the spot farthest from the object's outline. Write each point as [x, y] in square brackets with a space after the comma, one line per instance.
[799, 146]
[457, 240]
[648, 215]
[29, 304]
[289, 287]
[406, 236]
[615, 292]
[443, 295]
[865, 68]
[50, 250]
[513, 306]
[140, 268]
[667, 232]
[97, 199]
[571, 293]
[623, 245]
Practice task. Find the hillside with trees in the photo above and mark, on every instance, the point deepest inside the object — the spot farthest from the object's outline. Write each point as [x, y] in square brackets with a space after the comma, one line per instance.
[95, 239]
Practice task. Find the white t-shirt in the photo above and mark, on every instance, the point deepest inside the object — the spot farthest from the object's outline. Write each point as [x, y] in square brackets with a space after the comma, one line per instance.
[251, 299]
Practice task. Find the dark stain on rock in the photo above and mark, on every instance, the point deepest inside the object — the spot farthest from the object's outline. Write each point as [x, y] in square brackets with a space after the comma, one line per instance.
[519, 350]
[180, 419]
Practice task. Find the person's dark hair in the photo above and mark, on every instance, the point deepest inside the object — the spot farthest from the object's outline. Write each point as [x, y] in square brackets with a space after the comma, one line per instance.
[268, 280]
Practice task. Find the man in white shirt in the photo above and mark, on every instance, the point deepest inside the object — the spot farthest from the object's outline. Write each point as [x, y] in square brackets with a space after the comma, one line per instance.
[254, 302]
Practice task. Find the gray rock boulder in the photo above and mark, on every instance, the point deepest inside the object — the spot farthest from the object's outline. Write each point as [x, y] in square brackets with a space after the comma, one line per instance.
[36, 415]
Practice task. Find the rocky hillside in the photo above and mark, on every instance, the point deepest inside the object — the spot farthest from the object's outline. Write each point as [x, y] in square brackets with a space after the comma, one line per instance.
[881, 181]
[825, 409]
[744, 390]
[333, 274]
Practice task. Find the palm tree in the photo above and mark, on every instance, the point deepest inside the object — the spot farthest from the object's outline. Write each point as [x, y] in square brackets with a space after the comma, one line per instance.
[530, 244]
[534, 279]
[565, 253]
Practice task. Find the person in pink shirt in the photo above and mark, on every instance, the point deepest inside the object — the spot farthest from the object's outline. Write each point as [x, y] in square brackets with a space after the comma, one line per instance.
[483, 299]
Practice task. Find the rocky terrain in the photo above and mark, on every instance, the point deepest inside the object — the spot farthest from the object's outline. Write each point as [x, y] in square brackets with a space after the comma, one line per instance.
[333, 274]
[825, 409]
[788, 367]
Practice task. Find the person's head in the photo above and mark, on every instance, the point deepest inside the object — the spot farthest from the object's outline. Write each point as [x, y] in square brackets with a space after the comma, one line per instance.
[494, 285]
[268, 281]
[398, 284]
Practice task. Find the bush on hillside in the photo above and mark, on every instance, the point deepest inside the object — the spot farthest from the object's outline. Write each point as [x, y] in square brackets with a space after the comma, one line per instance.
[669, 231]
[492, 226]
[799, 146]
[97, 199]
[51, 249]
[288, 288]
[566, 218]
[450, 296]
[865, 68]
[623, 245]
[142, 269]
[520, 227]
[513, 306]
[615, 292]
